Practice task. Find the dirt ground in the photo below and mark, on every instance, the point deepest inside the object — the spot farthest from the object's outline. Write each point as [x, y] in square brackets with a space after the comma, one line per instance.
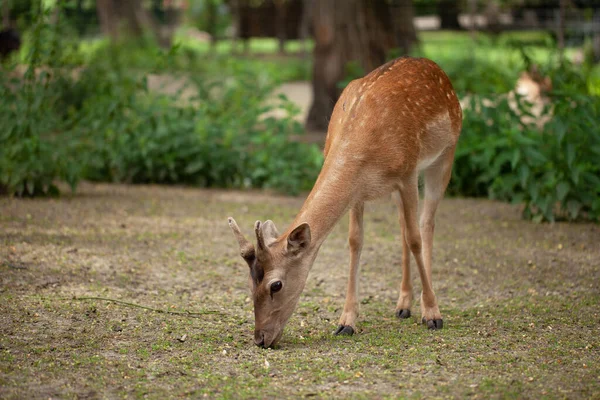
[520, 303]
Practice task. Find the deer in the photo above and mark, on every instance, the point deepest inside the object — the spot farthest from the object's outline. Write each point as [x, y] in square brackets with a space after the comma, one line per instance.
[400, 120]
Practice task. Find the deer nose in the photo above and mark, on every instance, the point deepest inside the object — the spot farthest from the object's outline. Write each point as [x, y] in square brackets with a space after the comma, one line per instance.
[259, 338]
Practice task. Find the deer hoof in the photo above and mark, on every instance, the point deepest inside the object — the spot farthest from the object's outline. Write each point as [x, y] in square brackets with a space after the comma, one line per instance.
[344, 330]
[403, 314]
[433, 323]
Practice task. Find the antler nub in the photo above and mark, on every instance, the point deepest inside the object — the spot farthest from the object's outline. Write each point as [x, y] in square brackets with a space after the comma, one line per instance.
[246, 248]
[259, 235]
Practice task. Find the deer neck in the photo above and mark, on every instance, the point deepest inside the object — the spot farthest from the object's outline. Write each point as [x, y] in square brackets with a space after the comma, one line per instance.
[328, 201]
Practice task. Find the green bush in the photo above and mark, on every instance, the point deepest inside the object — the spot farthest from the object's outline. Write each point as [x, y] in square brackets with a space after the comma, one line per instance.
[102, 122]
[219, 139]
[552, 170]
[481, 77]
[34, 150]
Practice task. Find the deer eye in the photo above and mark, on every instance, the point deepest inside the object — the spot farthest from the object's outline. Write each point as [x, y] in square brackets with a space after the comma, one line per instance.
[276, 287]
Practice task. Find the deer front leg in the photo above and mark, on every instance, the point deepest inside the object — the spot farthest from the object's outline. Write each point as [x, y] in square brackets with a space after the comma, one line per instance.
[406, 292]
[347, 324]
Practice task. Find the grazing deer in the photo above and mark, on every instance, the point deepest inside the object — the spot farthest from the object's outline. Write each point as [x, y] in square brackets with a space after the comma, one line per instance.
[402, 118]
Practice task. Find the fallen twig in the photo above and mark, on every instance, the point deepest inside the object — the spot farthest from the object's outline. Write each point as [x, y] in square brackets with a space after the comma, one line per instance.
[158, 310]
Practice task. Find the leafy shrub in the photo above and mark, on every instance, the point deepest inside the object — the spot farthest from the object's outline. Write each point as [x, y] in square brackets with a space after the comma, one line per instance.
[218, 138]
[553, 171]
[34, 151]
[102, 122]
[482, 77]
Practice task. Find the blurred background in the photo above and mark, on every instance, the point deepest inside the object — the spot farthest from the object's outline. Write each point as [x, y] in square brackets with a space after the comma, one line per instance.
[238, 93]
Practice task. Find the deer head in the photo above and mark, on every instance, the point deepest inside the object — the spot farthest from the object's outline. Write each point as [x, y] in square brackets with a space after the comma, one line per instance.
[278, 271]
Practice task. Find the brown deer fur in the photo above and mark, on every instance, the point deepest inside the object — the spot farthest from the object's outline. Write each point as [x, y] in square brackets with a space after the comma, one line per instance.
[402, 118]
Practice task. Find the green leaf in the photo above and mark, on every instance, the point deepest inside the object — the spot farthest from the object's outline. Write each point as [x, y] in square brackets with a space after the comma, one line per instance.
[562, 189]
[517, 198]
[560, 130]
[533, 191]
[534, 155]
[575, 175]
[516, 156]
[547, 206]
[593, 179]
[570, 154]
[524, 175]
[30, 186]
[573, 206]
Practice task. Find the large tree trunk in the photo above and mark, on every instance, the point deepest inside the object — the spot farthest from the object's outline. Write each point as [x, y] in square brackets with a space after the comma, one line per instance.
[109, 20]
[344, 31]
[136, 18]
[127, 17]
[448, 11]
[242, 24]
[406, 35]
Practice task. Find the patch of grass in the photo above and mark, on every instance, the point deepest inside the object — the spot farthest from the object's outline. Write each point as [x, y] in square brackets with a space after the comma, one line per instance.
[510, 330]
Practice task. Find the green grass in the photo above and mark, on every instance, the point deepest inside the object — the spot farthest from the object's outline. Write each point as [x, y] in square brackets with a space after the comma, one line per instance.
[504, 349]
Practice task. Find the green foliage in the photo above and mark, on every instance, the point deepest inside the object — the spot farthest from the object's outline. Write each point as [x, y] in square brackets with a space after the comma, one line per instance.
[211, 16]
[481, 77]
[103, 122]
[353, 70]
[507, 153]
[34, 149]
[220, 139]
[551, 169]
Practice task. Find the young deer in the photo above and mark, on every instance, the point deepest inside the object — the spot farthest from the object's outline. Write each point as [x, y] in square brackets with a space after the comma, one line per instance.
[402, 118]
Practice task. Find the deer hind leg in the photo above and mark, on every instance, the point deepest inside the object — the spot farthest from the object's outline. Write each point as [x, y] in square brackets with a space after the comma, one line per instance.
[436, 178]
[406, 292]
[410, 203]
[347, 324]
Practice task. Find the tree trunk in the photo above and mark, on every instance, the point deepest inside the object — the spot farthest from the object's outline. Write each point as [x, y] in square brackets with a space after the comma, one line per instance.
[129, 15]
[5, 14]
[136, 18]
[596, 37]
[344, 31]
[448, 11]
[109, 20]
[173, 17]
[492, 16]
[561, 28]
[211, 25]
[306, 24]
[234, 10]
[242, 25]
[280, 14]
[406, 35]
[472, 12]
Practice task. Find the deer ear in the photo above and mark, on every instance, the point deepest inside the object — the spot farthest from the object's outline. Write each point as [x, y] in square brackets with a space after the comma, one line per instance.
[299, 239]
[269, 232]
